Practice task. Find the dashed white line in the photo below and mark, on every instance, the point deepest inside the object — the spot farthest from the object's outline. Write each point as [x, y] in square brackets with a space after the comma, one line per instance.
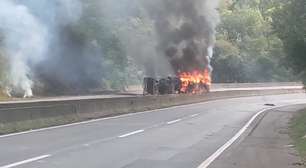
[107, 118]
[26, 161]
[131, 133]
[174, 121]
[194, 115]
[86, 145]
[101, 119]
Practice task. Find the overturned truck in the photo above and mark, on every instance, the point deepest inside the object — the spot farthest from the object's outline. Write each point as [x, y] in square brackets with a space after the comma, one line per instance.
[162, 86]
[185, 83]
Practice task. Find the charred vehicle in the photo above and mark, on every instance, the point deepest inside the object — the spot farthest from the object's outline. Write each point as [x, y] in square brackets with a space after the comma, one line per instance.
[196, 82]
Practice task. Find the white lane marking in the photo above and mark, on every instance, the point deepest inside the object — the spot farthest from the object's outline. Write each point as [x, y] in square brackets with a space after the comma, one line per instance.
[26, 161]
[131, 133]
[109, 118]
[174, 121]
[215, 155]
[86, 145]
[194, 115]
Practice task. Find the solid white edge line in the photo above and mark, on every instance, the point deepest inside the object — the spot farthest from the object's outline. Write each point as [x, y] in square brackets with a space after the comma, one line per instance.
[215, 155]
[26, 161]
[174, 121]
[107, 118]
[102, 119]
[130, 134]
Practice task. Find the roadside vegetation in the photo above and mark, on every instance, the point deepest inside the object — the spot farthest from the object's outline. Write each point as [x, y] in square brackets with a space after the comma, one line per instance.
[257, 41]
[3, 97]
[298, 133]
[289, 22]
[248, 49]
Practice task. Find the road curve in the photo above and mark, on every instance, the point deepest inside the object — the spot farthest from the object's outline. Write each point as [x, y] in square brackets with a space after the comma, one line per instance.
[177, 137]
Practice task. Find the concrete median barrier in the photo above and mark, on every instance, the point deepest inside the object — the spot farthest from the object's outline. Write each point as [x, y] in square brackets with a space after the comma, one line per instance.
[20, 116]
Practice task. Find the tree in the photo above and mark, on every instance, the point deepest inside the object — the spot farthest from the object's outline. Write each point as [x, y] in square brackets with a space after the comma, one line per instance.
[289, 21]
[247, 50]
[97, 29]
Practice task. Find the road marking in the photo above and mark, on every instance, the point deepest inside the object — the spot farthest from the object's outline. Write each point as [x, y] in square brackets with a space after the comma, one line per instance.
[107, 118]
[174, 121]
[131, 133]
[26, 161]
[215, 155]
[86, 145]
[194, 115]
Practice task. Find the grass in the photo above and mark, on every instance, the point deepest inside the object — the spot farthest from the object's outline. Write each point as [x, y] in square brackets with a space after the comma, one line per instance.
[3, 97]
[298, 133]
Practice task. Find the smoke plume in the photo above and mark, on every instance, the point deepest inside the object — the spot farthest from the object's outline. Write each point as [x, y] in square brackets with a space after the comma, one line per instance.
[186, 31]
[44, 46]
[40, 45]
[25, 43]
[166, 36]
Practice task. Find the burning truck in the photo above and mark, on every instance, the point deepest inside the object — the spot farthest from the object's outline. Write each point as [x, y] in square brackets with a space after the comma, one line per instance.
[195, 82]
[185, 32]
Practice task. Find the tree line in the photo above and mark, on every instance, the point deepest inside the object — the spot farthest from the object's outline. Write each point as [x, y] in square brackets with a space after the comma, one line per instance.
[253, 42]
[257, 41]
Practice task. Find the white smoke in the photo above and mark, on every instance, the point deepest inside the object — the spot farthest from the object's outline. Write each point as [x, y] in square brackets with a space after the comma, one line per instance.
[25, 40]
[157, 34]
[29, 27]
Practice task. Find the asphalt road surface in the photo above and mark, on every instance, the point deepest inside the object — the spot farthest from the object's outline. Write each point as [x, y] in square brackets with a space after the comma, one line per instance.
[266, 145]
[178, 137]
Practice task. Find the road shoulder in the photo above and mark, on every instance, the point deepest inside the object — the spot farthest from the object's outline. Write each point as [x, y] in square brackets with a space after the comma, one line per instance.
[298, 133]
[266, 145]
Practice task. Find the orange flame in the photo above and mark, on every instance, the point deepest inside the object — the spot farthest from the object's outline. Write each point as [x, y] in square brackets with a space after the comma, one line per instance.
[196, 81]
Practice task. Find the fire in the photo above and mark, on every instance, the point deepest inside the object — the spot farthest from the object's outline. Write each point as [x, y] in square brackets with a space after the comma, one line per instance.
[196, 81]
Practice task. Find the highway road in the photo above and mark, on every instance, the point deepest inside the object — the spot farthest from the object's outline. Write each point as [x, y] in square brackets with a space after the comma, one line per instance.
[177, 137]
[138, 91]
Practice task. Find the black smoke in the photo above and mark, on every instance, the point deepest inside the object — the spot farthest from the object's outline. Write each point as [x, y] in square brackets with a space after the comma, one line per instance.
[186, 31]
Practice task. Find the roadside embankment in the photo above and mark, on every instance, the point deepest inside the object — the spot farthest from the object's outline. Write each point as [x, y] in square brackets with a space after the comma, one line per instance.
[25, 115]
[298, 133]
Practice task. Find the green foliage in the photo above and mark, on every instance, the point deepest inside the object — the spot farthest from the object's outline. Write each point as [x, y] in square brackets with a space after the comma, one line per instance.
[97, 31]
[289, 21]
[298, 132]
[251, 40]
[228, 65]
[247, 50]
